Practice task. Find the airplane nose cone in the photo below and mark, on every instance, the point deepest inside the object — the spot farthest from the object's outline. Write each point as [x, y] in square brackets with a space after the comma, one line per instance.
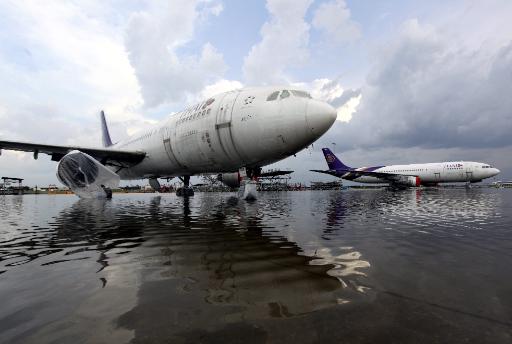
[496, 171]
[320, 116]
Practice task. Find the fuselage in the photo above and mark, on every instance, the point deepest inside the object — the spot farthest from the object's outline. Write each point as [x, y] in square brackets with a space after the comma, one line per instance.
[250, 127]
[430, 173]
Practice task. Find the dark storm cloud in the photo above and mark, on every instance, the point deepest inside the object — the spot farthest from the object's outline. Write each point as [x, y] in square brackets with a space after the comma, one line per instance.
[430, 92]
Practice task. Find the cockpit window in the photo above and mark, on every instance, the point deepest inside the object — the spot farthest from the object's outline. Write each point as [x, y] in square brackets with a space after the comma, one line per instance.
[273, 96]
[285, 94]
[302, 94]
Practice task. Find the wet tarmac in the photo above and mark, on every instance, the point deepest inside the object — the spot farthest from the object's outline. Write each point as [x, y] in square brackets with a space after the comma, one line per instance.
[356, 266]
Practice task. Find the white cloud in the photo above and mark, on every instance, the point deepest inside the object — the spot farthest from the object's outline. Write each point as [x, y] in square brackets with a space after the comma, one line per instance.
[346, 110]
[326, 89]
[3, 112]
[346, 101]
[154, 38]
[61, 63]
[334, 19]
[220, 87]
[283, 44]
[77, 58]
[216, 9]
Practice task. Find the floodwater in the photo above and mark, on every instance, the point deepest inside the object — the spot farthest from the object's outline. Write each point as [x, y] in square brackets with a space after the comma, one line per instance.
[355, 266]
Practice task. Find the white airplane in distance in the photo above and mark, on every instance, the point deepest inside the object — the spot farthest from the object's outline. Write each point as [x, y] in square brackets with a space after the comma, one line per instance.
[234, 133]
[429, 174]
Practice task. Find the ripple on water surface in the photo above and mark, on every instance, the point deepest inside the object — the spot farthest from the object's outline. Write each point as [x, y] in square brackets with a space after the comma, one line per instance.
[363, 264]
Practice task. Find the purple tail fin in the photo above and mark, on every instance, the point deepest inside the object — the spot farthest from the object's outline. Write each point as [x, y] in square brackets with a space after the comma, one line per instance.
[333, 162]
[105, 135]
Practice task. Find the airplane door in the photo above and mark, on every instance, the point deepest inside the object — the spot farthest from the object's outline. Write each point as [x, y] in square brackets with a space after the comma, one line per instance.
[168, 148]
[469, 174]
[223, 125]
[437, 176]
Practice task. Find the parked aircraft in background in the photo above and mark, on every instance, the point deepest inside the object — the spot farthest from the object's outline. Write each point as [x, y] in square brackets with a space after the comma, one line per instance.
[410, 175]
[235, 133]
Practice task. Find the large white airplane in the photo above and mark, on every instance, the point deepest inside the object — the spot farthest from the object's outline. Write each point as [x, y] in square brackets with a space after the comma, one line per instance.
[410, 175]
[235, 133]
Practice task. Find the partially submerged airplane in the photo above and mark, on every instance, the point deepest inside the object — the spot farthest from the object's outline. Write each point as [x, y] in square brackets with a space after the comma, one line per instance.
[234, 133]
[429, 174]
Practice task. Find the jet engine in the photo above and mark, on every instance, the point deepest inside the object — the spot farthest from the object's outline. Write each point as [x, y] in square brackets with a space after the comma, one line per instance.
[408, 181]
[86, 176]
[230, 179]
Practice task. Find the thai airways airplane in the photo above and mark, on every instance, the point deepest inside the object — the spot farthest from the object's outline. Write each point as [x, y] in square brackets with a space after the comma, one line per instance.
[235, 133]
[410, 175]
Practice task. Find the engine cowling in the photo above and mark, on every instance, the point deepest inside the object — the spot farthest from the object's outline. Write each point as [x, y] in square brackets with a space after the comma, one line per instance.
[231, 180]
[408, 181]
[85, 176]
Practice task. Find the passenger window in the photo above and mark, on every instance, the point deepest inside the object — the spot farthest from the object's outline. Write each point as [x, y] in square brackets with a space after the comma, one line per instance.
[285, 94]
[273, 96]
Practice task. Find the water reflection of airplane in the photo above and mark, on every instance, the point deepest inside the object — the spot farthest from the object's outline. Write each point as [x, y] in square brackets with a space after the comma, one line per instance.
[86, 223]
[180, 259]
[97, 225]
[336, 212]
[225, 264]
[225, 236]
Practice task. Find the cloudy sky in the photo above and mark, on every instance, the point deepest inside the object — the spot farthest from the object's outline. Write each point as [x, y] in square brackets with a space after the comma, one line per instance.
[413, 81]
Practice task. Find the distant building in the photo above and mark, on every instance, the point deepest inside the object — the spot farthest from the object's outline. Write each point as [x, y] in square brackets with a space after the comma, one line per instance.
[7, 187]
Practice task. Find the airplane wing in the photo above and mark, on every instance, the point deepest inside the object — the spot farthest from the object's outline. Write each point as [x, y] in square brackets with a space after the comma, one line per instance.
[113, 157]
[330, 172]
[393, 178]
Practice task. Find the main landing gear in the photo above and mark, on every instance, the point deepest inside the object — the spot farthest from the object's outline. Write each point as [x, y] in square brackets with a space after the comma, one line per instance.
[186, 190]
[248, 183]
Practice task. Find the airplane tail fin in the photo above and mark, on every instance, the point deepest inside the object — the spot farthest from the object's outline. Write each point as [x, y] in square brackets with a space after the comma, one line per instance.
[333, 162]
[105, 135]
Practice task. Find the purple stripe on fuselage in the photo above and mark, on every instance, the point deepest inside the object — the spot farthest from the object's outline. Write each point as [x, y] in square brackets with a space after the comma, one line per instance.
[371, 169]
[351, 174]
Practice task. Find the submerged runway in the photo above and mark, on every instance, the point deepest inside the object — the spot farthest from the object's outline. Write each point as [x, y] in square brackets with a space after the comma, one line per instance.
[356, 266]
